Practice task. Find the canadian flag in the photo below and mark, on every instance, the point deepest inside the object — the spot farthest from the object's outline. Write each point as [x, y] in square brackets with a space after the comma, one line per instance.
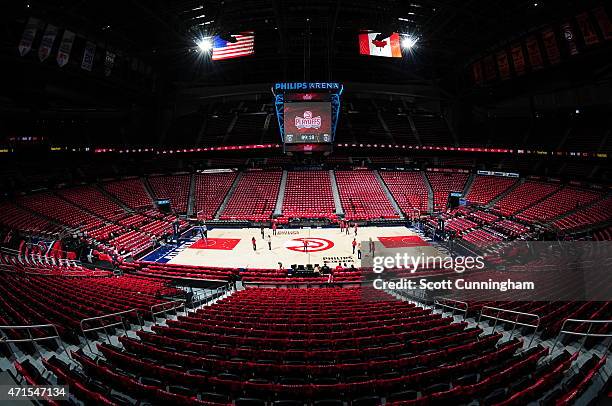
[388, 47]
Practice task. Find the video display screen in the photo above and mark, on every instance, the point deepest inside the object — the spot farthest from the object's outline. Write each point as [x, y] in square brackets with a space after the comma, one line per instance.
[307, 122]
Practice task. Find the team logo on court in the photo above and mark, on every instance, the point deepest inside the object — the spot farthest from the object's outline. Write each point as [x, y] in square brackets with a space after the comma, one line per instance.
[312, 244]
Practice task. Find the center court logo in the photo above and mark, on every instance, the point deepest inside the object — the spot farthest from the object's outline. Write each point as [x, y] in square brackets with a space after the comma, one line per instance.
[313, 244]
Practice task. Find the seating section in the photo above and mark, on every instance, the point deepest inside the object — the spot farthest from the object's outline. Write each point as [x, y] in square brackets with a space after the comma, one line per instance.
[553, 314]
[600, 212]
[486, 188]
[18, 218]
[362, 196]
[91, 199]
[255, 196]
[444, 183]
[510, 228]
[174, 187]
[65, 301]
[308, 345]
[131, 192]
[604, 234]
[408, 189]
[523, 196]
[210, 190]
[308, 194]
[459, 224]
[43, 265]
[176, 271]
[481, 237]
[483, 217]
[560, 202]
[60, 210]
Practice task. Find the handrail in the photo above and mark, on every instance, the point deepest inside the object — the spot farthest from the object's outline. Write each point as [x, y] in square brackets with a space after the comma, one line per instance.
[5, 338]
[202, 298]
[515, 322]
[104, 327]
[465, 310]
[585, 335]
[40, 258]
[181, 303]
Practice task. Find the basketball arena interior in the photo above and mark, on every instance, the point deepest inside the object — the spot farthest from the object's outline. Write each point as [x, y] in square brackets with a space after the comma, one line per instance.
[315, 202]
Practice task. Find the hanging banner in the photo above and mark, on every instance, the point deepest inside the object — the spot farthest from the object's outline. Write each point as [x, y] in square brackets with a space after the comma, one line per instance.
[550, 46]
[503, 65]
[586, 28]
[534, 53]
[490, 73]
[109, 62]
[29, 33]
[604, 22]
[477, 72]
[63, 53]
[568, 34]
[518, 59]
[47, 42]
[88, 56]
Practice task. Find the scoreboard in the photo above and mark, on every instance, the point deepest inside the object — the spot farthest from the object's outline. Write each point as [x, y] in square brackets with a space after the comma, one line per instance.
[307, 115]
[307, 121]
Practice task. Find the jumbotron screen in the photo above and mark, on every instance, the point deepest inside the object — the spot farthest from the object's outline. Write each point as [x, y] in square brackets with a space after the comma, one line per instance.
[307, 122]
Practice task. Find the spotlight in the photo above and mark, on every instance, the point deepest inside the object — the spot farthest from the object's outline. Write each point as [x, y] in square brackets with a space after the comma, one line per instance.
[409, 42]
[205, 44]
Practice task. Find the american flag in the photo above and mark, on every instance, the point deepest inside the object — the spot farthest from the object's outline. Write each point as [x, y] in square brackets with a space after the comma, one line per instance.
[245, 45]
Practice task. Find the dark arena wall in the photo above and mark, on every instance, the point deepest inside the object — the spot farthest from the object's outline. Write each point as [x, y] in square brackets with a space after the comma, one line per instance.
[286, 203]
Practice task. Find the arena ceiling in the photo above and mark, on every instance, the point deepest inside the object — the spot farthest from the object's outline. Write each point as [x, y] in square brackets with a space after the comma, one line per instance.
[296, 40]
[302, 39]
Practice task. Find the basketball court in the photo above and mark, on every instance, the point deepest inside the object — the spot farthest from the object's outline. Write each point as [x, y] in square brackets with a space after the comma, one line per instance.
[231, 247]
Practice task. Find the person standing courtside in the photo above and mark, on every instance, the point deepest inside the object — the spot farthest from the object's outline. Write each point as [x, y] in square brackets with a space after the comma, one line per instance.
[347, 226]
[254, 242]
[269, 239]
[274, 228]
[359, 250]
[262, 229]
[175, 228]
[354, 244]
